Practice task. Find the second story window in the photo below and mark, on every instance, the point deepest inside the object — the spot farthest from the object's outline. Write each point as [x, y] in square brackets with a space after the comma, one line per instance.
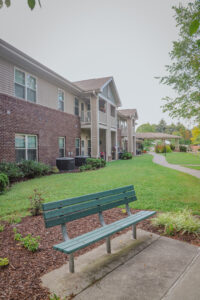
[25, 86]
[76, 107]
[61, 100]
[61, 142]
[112, 111]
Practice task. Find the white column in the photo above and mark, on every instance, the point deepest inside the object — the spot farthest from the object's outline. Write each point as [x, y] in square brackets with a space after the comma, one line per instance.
[94, 104]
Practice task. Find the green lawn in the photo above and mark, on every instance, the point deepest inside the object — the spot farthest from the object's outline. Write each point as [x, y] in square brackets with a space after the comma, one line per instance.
[192, 167]
[182, 158]
[158, 188]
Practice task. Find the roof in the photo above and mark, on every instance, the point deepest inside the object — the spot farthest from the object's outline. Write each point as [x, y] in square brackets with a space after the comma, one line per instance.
[92, 84]
[128, 112]
[156, 135]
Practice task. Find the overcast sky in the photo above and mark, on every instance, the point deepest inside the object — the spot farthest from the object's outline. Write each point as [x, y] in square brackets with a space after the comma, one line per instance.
[81, 39]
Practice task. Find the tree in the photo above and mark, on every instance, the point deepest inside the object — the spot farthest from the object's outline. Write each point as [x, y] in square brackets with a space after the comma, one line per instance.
[162, 126]
[184, 72]
[31, 3]
[147, 127]
[195, 135]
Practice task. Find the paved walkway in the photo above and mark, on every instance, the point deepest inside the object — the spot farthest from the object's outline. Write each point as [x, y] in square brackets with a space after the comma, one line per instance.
[152, 268]
[161, 160]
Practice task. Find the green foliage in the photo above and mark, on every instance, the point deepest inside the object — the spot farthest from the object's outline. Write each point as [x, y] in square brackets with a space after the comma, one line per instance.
[12, 170]
[94, 162]
[4, 262]
[163, 149]
[86, 168]
[4, 182]
[36, 203]
[1, 228]
[54, 170]
[31, 3]
[147, 127]
[127, 155]
[182, 148]
[182, 221]
[172, 146]
[184, 72]
[29, 242]
[32, 169]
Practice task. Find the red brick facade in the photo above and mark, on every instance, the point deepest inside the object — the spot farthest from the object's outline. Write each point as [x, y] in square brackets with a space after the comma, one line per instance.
[19, 116]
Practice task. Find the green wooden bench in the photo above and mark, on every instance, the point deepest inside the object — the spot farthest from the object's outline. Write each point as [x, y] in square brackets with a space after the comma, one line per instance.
[61, 212]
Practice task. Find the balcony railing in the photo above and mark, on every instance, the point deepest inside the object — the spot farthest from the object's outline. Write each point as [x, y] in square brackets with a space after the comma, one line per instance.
[86, 116]
[102, 117]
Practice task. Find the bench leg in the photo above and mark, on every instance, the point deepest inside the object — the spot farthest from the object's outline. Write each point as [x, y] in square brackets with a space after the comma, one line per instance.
[134, 231]
[108, 245]
[71, 263]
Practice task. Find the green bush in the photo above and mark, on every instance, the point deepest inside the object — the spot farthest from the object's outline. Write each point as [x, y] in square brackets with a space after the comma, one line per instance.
[103, 163]
[126, 155]
[4, 182]
[32, 169]
[94, 162]
[1, 228]
[183, 222]
[11, 170]
[85, 168]
[54, 170]
[172, 147]
[182, 148]
[163, 149]
[29, 242]
[36, 203]
[4, 262]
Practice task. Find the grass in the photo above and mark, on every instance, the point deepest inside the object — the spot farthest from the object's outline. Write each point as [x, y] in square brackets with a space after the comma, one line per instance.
[192, 167]
[183, 158]
[157, 188]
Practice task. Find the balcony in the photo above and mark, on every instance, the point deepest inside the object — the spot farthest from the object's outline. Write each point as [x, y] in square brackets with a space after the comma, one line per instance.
[86, 117]
[102, 117]
[113, 122]
[124, 131]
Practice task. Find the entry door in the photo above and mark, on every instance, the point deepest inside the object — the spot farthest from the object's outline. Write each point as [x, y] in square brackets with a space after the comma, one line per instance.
[82, 147]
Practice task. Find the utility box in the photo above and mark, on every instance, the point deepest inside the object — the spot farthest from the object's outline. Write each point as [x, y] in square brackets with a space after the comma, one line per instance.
[65, 163]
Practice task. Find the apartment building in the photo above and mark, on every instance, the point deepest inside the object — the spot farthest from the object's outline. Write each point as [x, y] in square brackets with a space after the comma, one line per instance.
[44, 116]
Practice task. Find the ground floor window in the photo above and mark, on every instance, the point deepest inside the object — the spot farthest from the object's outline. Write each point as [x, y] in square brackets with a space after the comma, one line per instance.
[25, 147]
[61, 143]
[89, 147]
[77, 145]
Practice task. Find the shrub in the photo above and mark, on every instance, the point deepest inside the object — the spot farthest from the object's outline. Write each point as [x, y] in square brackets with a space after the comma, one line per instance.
[31, 168]
[94, 162]
[183, 222]
[82, 168]
[172, 147]
[182, 148]
[103, 163]
[11, 170]
[85, 168]
[4, 182]
[29, 242]
[54, 170]
[163, 149]
[127, 155]
[4, 262]
[36, 203]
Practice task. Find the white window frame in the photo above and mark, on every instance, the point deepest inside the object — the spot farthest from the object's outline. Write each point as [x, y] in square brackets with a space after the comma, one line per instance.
[77, 106]
[26, 143]
[63, 101]
[62, 137]
[79, 146]
[26, 87]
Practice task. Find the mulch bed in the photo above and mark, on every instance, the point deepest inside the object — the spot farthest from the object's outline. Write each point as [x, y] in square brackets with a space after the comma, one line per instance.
[21, 279]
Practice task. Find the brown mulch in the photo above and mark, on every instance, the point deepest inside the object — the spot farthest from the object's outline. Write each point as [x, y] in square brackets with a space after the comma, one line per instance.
[21, 279]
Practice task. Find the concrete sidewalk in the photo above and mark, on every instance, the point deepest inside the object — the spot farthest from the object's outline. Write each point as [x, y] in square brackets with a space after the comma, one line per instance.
[161, 160]
[151, 268]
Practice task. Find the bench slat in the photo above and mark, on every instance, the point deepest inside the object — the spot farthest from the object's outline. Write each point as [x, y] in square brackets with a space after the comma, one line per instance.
[100, 233]
[89, 204]
[75, 200]
[67, 218]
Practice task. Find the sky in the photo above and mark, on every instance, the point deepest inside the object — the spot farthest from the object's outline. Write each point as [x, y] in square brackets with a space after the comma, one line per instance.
[80, 39]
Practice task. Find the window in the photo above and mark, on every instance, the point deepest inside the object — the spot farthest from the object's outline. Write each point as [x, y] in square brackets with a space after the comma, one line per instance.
[77, 146]
[25, 147]
[76, 107]
[61, 100]
[89, 147]
[61, 142]
[112, 111]
[25, 86]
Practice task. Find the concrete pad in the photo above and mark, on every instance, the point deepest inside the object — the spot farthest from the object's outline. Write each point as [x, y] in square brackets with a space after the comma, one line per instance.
[188, 285]
[147, 276]
[94, 265]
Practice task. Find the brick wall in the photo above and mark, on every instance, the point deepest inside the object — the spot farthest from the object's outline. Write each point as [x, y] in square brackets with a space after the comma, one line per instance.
[19, 116]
